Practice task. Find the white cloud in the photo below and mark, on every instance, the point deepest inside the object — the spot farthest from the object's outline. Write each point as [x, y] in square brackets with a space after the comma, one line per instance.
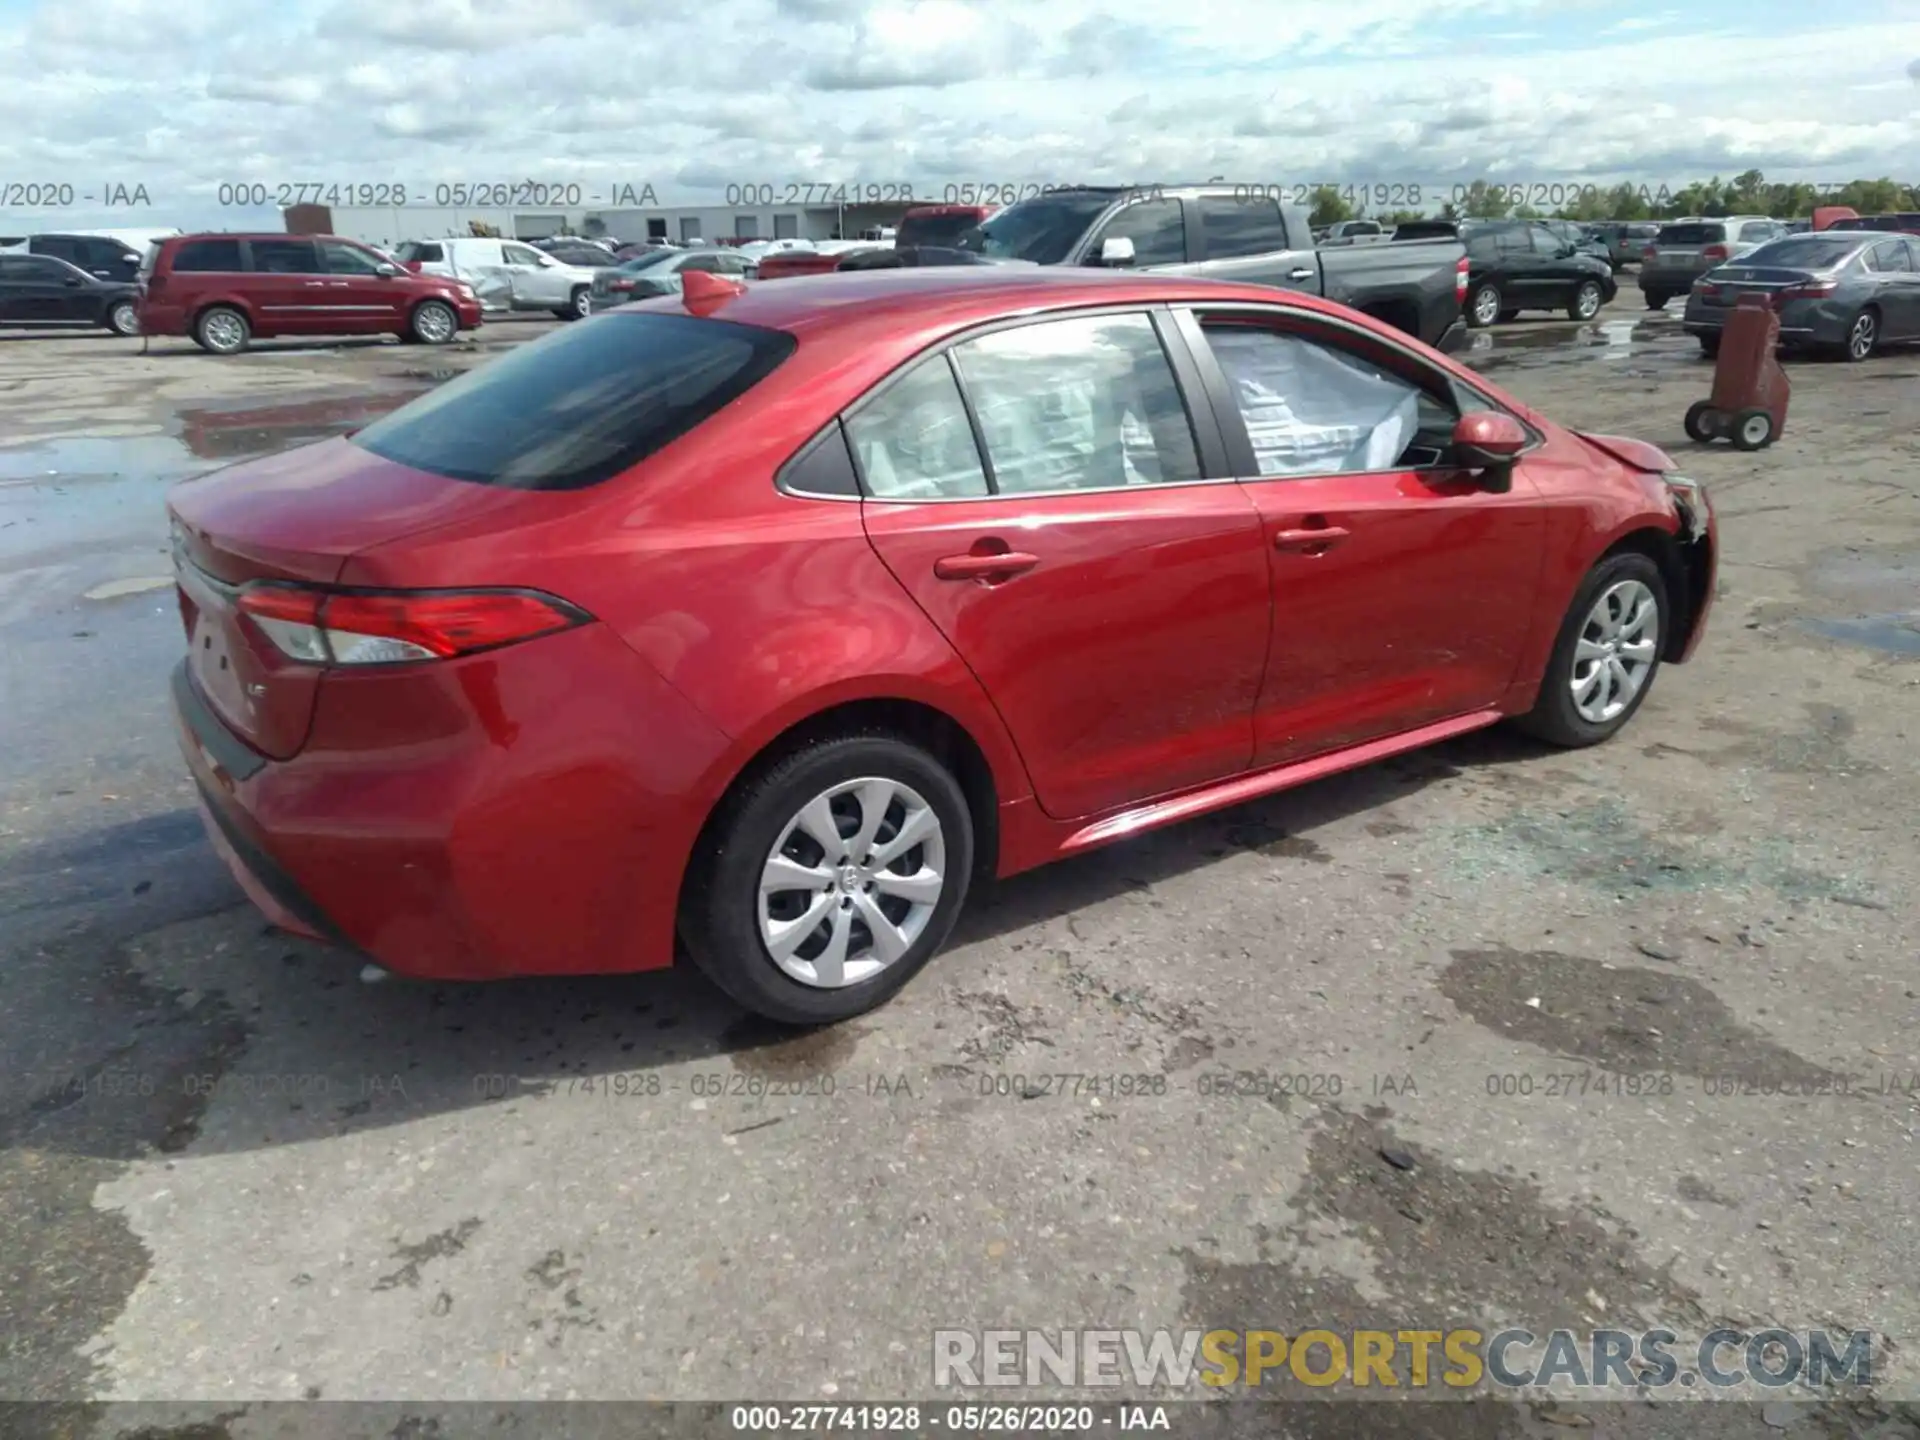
[192, 93]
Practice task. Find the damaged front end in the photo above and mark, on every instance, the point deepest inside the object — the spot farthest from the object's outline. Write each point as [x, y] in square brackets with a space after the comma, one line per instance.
[1696, 559]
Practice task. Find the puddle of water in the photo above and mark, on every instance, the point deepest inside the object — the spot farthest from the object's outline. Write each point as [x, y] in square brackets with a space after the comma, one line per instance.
[1895, 634]
[82, 457]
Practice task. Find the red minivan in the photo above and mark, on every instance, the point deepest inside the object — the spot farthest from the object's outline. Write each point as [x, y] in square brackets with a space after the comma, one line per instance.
[224, 290]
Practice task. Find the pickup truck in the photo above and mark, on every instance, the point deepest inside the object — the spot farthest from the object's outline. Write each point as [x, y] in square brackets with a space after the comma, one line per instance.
[1237, 233]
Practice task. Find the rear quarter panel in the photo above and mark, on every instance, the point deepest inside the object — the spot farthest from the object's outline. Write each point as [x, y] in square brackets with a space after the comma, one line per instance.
[760, 608]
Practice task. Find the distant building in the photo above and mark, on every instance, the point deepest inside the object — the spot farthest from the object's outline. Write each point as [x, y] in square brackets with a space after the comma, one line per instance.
[390, 226]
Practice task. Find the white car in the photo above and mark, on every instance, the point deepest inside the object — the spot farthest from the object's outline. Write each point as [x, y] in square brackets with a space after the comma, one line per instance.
[505, 274]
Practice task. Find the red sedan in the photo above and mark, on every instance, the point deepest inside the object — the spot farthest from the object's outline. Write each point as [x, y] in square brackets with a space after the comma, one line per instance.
[774, 618]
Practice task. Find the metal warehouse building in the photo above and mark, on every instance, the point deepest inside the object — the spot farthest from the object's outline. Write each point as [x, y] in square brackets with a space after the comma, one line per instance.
[389, 226]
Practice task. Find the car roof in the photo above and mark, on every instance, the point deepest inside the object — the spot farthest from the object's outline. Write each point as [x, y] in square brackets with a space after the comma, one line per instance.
[943, 299]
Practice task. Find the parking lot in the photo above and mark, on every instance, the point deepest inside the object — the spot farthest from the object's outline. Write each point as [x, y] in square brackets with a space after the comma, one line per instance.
[1379, 1030]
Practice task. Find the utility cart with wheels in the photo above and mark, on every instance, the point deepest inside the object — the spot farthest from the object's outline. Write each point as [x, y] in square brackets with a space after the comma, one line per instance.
[1750, 389]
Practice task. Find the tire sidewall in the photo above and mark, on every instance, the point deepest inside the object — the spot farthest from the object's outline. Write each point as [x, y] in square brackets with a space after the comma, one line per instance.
[580, 303]
[1554, 716]
[1586, 287]
[1474, 307]
[720, 922]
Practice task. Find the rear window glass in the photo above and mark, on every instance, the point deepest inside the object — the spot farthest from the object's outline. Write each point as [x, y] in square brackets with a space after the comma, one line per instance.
[581, 405]
[422, 251]
[1805, 252]
[208, 255]
[1692, 234]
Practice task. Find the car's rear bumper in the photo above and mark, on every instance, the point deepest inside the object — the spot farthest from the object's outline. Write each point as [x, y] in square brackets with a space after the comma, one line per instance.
[521, 812]
[1802, 322]
[161, 319]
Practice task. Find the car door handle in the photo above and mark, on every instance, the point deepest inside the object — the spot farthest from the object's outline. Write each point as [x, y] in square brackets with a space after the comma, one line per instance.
[1321, 538]
[315, 284]
[1003, 565]
[1303, 273]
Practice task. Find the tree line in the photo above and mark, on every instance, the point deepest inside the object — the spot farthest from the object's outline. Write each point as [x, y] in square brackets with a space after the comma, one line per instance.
[1748, 193]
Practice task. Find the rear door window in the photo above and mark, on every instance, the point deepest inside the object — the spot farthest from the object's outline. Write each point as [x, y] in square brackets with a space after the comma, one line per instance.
[286, 257]
[1233, 228]
[1889, 256]
[201, 256]
[581, 405]
[913, 441]
[422, 253]
[1089, 403]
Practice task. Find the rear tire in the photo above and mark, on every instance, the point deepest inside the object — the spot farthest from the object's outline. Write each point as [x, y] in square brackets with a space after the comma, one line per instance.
[123, 318]
[579, 304]
[1863, 335]
[1586, 301]
[766, 827]
[1617, 585]
[1657, 301]
[1484, 306]
[221, 330]
[1710, 346]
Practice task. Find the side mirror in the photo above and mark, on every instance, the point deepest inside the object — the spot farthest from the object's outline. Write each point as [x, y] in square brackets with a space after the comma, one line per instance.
[386, 269]
[1490, 442]
[71, 282]
[1116, 250]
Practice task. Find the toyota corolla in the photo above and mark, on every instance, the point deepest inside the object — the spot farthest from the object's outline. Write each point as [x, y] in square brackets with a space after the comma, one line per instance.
[761, 624]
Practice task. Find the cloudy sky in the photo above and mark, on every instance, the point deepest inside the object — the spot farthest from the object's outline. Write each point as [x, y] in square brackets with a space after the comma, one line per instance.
[182, 95]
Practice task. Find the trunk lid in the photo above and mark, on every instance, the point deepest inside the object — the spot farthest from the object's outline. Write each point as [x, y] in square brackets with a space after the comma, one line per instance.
[1732, 281]
[297, 517]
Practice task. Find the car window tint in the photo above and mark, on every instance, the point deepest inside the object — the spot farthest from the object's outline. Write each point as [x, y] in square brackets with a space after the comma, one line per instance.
[580, 405]
[522, 255]
[1235, 227]
[1515, 240]
[286, 257]
[1313, 409]
[1158, 229]
[344, 259]
[1545, 241]
[913, 441]
[201, 256]
[1888, 255]
[1083, 404]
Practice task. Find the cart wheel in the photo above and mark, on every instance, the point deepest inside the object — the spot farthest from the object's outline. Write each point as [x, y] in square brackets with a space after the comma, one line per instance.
[1752, 429]
[1700, 421]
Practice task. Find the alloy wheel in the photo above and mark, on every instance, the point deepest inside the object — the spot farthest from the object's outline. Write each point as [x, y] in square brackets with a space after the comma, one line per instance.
[1615, 651]
[851, 882]
[433, 323]
[1486, 306]
[124, 319]
[1586, 301]
[1861, 337]
[224, 331]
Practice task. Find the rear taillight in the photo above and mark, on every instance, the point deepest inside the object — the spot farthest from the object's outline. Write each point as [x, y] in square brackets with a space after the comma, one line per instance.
[1460, 279]
[1649, 250]
[321, 627]
[1811, 290]
[1714, 254]
[1707, 291]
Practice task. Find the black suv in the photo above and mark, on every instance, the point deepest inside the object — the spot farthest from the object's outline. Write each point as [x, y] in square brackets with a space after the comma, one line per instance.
[99, 255]
[40, 290]
[1515, 265]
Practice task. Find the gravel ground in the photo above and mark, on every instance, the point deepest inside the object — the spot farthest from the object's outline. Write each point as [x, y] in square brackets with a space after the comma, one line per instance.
[238, 1174]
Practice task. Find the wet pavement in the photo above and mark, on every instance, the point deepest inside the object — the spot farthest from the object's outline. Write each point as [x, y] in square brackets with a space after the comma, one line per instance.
[235, 1173]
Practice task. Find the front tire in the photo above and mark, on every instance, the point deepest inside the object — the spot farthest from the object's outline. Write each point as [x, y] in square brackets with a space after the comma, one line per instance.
[1586, 301]
[827, 881]
[222, 330]
[1606, 657]
[432, 323]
